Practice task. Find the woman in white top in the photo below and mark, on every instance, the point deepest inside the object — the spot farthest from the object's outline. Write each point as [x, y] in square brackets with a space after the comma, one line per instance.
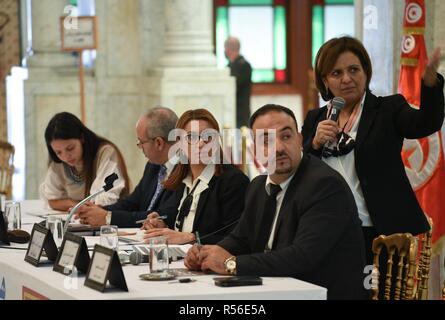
[79, 161]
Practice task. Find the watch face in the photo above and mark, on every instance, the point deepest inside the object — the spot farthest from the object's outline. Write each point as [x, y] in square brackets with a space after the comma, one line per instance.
[231, 264]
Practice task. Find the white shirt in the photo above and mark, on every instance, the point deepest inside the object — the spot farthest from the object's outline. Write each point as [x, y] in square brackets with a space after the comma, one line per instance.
[280, 196]
[58, 185]
[204, 180]
[345, 165]
[170, 165]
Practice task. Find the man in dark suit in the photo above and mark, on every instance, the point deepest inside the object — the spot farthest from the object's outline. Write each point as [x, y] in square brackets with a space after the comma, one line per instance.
[240, 69]
[152, 131]
[300, 221]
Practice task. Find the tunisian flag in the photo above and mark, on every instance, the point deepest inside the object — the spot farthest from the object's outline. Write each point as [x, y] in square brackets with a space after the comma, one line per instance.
[423, 158]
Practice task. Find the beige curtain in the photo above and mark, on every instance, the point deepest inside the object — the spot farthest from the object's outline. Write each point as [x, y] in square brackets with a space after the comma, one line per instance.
[9, 52]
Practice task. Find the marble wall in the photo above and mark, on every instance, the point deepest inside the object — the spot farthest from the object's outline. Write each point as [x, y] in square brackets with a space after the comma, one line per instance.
[141, 62]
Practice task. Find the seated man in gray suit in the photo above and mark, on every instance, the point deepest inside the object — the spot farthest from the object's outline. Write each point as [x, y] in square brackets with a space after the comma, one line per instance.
[299, 221]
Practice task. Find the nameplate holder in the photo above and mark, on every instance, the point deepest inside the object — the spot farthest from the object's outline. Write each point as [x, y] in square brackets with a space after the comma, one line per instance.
[105, 266]
[41, 240]
[72, 253]
[3, 230]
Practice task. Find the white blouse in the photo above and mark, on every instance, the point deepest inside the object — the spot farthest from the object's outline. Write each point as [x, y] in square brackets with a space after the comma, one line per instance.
[345, 165]
[204, 180]
[59, 185]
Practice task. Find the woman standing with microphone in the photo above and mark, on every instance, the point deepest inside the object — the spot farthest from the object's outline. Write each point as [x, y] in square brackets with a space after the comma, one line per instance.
[368, 137]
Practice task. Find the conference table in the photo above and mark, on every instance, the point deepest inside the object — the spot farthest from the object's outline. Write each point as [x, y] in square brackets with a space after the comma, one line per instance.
[21, 280]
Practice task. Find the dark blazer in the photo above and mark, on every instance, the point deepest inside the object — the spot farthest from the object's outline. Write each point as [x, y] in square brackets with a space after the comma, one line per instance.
[318, 237]
[242, 71]
[132, 208]
[384, 123]
[219, 206]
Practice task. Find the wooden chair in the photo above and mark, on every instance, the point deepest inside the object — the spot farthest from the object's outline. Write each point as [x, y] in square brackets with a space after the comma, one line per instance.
[6, 168]
[424, 262]
[404, 245]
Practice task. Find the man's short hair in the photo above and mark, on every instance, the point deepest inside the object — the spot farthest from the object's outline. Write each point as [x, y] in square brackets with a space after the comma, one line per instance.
[160, 121]
[271, 107]
[233, 44]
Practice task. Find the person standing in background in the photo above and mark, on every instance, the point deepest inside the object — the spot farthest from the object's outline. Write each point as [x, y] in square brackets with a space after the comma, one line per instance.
[240, 69]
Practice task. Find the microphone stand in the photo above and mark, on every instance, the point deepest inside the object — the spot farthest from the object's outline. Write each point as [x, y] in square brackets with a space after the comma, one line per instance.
[108, 185]
[77, 206]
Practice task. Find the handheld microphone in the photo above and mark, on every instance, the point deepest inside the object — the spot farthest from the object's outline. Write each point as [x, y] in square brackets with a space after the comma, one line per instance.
[137, 258]
[109, 180]
[338, 103]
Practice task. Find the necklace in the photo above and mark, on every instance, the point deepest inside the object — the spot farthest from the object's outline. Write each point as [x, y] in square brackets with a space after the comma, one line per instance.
[72, 174]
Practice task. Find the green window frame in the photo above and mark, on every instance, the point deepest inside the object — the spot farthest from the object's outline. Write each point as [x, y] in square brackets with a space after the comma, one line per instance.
[279, 72]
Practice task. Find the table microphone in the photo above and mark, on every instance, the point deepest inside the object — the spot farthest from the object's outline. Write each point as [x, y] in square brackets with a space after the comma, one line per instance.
[137, 258]
[108, 185]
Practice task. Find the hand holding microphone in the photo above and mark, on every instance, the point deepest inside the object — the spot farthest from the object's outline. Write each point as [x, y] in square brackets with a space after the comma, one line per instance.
[327, 130]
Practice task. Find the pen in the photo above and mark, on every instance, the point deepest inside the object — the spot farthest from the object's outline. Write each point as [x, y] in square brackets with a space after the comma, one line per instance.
[198, 239]
[158, 218]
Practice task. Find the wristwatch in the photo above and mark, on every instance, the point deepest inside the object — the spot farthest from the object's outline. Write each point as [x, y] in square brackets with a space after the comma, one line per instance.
[230, 265]
[108, 218]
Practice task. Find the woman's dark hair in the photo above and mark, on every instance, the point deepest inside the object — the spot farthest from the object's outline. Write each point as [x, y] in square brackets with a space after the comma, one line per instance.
[64, 126]
[181, 170]
[327, 57]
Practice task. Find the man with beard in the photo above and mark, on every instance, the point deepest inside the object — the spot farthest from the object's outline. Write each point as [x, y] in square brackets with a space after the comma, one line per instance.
[299, 221]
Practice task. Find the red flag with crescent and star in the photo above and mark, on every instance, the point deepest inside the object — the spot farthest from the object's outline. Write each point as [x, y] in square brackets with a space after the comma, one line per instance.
[423, 158]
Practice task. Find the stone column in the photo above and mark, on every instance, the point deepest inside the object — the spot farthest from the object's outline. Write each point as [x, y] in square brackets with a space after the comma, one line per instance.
[46, 40]
[52, 86]
[186, 70]
[188, 38]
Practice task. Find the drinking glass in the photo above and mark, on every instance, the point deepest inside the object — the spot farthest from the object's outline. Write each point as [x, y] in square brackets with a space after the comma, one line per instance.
[13, 215]
[158, 254]
[109, 237]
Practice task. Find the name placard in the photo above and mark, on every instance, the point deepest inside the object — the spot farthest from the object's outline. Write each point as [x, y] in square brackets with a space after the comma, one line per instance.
[73, 252]
[41, 239]
[81, 35]
[105, 266]
[3, 230]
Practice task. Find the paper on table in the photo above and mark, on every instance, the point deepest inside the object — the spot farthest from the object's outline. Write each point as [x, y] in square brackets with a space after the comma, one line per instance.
[39, 212]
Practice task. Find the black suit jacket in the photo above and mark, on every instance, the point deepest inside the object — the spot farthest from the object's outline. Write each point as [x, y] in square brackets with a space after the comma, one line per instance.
[219, 206]
[132, 208]
[242, 71]
[318, 236]
[384, 123]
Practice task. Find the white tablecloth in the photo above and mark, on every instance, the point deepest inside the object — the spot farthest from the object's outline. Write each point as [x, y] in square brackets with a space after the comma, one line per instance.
[19, 279]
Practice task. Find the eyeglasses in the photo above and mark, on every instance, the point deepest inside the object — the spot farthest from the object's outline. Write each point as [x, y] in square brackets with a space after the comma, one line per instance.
[194, 137]
[141, 143]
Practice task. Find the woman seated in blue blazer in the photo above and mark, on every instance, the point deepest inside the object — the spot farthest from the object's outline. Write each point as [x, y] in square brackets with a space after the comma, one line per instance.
[209, 196]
